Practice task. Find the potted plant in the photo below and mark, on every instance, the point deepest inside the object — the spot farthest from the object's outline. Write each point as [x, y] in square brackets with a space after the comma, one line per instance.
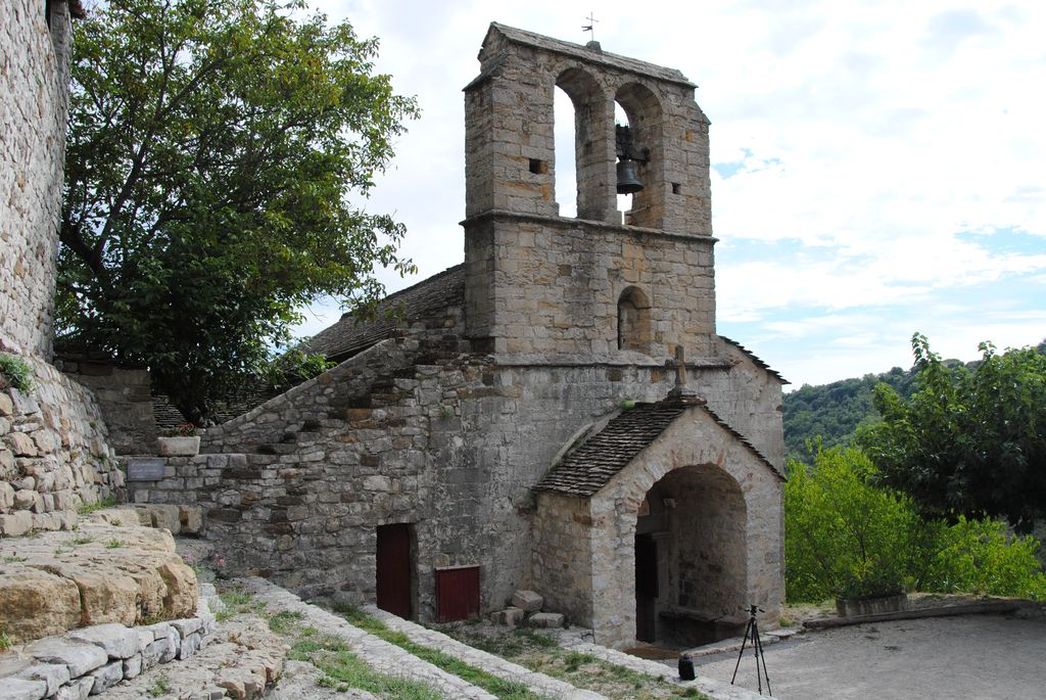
[181, 441]
[872, 589]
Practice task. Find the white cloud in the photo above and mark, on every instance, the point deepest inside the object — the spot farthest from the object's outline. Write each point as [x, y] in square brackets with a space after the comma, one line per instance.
[870, 135]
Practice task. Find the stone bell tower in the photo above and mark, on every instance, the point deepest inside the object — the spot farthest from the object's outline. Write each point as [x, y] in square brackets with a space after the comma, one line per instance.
[590, 288]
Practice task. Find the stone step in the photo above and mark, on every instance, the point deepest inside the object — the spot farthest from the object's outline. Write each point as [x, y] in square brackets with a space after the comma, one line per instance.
[375, 652]
[539, 683]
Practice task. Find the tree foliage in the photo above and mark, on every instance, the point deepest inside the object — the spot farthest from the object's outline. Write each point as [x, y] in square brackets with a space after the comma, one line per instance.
[968, 441]
[845, 536]
[213, 148]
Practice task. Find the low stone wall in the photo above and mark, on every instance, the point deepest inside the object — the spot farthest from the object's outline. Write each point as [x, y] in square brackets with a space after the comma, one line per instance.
[90, 660]
[54, 452]
[125, 398]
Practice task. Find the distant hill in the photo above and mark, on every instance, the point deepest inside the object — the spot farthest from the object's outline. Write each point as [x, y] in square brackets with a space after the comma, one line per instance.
[834, 410]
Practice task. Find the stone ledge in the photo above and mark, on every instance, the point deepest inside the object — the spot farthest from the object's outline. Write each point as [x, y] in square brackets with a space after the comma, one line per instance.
[109, 570]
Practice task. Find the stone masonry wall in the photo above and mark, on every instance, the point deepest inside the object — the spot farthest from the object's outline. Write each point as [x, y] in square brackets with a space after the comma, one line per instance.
[33, 109]
[54, 453]
[124, 396]
[296, 488]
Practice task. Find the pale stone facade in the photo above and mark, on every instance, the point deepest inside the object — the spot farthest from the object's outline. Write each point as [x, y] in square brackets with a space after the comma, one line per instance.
[33, 110]
[467, 416]
[54, 453]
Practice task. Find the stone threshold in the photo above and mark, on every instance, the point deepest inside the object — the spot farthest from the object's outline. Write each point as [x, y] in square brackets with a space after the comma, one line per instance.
[986, 607]
[539, 683]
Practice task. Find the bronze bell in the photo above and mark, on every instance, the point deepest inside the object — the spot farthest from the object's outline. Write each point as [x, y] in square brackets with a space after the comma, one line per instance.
[627, 182]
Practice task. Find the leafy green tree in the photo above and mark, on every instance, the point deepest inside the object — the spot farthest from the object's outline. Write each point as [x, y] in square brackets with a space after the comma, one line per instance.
[969, 441]
[843, 536]
[219, 153]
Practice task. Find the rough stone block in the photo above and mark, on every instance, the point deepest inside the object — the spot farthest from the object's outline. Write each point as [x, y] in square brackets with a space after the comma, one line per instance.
[118, 641]
[22, 445]
[16, 524]
[545, 619]
[20, 689]
[106, 677]
[187, 626]
[132, 667]
[81, 658]
[188, 647]
[191, 519]
[54, 675]
[35, 603]
[76, 690]
[510, 616]
[155, 651]
[527, 601]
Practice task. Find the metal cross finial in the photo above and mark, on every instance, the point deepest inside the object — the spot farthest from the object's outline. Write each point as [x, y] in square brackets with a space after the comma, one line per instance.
[591, 26]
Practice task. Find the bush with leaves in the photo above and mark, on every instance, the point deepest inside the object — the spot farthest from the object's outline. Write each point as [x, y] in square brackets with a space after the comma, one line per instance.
[291, 368]
[845, 536]
[16, 372]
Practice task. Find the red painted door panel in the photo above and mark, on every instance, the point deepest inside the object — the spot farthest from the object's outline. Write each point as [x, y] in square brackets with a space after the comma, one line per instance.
[457, 593]
[394, 569]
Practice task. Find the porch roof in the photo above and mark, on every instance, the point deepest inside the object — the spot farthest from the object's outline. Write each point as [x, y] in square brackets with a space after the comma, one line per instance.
[590, 466]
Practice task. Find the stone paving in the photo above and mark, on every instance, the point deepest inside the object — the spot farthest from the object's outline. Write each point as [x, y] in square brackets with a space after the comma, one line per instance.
[494, 665]
[375, 652]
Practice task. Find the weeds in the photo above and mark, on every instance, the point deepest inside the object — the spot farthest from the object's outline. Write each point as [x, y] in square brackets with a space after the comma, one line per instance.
[88, 508]
[17, 371]
[161, 686]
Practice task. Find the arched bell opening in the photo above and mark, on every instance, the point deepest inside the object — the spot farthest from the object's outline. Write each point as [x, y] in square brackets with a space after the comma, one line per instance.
[639, 134]
[592, 145]
[690, 558]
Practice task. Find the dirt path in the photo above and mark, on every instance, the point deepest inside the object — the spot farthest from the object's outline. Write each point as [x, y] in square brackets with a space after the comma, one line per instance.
[977, 656]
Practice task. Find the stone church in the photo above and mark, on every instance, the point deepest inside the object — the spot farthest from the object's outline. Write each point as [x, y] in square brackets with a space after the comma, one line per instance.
[556, 413]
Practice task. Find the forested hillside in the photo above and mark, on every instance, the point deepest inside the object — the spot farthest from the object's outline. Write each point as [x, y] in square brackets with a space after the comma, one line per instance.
[833, 411]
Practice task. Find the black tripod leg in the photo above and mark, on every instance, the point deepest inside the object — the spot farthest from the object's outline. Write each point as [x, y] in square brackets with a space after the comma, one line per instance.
[741, 653]
[755, 651]
[759, 648]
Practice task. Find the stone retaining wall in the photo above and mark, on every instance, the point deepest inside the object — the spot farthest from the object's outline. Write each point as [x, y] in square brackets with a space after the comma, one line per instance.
[90, 660]
[54, 454]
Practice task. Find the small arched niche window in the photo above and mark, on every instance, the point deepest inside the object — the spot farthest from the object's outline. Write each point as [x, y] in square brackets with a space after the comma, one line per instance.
[633, 320]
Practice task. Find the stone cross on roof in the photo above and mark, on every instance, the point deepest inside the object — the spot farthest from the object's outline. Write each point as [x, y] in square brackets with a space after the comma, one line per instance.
[681, 392]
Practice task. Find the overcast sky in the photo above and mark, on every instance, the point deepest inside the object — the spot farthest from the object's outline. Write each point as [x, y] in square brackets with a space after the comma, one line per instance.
[878, 168]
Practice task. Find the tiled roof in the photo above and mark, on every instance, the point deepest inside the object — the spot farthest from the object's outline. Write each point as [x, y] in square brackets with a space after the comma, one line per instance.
[755, 358]
[588, 468]
[428, 300]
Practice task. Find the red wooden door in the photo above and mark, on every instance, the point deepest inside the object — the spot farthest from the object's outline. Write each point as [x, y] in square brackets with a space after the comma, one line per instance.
[457, 593]
[394, 569]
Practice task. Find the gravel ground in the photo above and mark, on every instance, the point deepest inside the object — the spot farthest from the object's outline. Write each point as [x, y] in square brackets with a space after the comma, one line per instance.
[976, 656]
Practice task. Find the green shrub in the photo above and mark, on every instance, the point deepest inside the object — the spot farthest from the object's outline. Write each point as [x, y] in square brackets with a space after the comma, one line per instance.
[982, 556]
[844, 537]
[17, 372]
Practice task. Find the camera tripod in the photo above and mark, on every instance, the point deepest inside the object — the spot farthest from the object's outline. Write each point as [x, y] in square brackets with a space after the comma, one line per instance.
[752, 634]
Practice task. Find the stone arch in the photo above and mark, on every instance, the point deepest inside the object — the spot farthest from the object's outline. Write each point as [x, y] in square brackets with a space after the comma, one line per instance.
[646, 120]
[633, 320]
[693, 522]
[593, 143]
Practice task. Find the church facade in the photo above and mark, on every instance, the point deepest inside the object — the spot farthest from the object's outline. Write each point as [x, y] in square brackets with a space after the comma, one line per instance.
[556, 413]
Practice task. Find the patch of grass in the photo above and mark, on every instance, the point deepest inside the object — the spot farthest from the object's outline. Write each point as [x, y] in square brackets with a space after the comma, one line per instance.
[5, 641]
[82, 539]
[506, 689]
[343, 670]
[113, 544]
[285, 621]
[17, 371]
[237, 602]
[161, 686]
[13, 559]
[88, 508]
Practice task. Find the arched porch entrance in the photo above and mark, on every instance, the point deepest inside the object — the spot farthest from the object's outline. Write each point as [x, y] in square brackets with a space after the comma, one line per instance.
[690, 558]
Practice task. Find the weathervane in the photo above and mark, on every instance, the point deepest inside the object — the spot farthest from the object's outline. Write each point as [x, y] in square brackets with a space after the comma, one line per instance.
[591, 26]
